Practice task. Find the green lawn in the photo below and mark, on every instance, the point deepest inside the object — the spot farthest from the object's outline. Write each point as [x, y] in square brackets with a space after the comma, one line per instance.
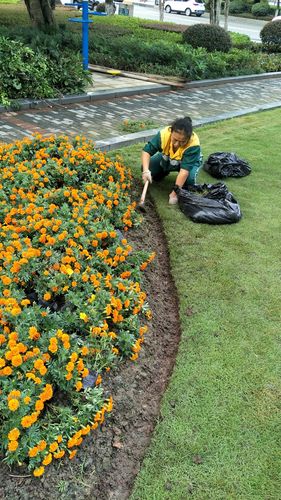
[219, 435]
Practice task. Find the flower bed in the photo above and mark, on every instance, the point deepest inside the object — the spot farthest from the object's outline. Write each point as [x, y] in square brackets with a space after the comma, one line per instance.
[71, 297]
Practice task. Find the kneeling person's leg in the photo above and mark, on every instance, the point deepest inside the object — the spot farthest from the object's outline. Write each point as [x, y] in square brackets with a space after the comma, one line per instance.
[157, 172]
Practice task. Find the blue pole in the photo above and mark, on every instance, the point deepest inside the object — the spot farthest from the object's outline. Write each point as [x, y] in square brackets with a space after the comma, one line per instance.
[85, 36]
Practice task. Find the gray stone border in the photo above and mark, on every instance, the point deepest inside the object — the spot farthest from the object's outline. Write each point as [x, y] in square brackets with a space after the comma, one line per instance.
[122, 141]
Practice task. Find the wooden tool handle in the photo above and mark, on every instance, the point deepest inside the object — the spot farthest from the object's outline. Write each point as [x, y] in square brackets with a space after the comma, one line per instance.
[143, 195]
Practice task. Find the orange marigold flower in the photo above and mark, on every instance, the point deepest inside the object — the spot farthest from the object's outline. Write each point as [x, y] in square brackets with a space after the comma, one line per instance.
[42, 445]
[47, 460]
[13, 404]
[14, 434]
[39, 471]
[7, 371]
[26, 421]
[26, 400]
[32, 452]
[53, 446]
[47, 296]
[17, 360]
[72, 454]
[59, 454]
[39, 405]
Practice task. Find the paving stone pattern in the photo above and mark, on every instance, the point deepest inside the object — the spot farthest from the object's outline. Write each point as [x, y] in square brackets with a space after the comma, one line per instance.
[102, 119]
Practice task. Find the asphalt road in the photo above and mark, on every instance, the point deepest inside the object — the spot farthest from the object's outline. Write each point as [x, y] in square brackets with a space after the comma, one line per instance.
[250, 27]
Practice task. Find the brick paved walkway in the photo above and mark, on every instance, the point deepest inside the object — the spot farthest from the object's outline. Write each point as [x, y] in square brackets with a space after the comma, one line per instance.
[102, 119]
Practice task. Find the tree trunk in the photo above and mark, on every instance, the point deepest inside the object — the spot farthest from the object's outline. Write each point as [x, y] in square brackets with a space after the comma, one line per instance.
[215, 7]
[226, 12]
[40, 13]
[161, 10]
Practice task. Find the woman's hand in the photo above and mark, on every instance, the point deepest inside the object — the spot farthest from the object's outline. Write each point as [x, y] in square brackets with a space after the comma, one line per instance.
[146, 176]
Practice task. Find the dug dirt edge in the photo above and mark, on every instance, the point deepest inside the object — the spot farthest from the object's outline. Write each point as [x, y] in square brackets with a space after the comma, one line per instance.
[109, 459]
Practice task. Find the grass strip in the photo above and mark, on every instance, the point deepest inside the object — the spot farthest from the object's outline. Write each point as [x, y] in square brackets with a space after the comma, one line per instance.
[219, 433]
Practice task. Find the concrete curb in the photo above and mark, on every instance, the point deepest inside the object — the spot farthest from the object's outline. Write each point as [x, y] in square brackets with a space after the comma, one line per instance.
[127, 140]
[24, 104]
[98, 95]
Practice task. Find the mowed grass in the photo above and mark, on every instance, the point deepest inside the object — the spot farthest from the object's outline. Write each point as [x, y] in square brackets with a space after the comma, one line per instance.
[219, 432]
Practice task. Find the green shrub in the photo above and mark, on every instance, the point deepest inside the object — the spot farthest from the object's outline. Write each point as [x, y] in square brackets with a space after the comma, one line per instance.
[236, 7]
[262, 9]
[271, 36]
[23, 73]
[210, 37]
[100, 7]
[27, 73]
[240, 41]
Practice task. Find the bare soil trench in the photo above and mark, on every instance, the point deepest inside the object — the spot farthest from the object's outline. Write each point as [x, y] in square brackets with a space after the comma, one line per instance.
[109, 459]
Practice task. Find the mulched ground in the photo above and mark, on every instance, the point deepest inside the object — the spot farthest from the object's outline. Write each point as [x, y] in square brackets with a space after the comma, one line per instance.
[110, 458]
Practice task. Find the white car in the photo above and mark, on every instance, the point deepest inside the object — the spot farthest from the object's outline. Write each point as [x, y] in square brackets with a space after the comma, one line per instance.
[187, 7]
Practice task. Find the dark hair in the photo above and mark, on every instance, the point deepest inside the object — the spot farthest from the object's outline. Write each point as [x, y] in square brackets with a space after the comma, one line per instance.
[182, 124]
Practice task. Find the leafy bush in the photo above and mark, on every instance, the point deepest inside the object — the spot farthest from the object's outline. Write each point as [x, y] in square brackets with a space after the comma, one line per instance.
[236, 7]
[71, 299]
[271, 36]
[262, 9]
[23, 73]
[26, 72]
[210, 37]
[240, 41]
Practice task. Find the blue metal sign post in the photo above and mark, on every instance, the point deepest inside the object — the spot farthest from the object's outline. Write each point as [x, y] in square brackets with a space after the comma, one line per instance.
[85, 28]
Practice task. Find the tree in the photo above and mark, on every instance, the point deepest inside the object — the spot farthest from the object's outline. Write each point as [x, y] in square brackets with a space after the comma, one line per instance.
[226, 12]
[41, 13]
[215, 8]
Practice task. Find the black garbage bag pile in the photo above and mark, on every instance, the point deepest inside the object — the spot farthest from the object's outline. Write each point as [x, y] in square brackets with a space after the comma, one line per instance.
[209, 203]
[221, 165]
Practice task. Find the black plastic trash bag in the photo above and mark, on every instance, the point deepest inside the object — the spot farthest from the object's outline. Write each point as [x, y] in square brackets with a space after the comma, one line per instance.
[221, 165]
[209, 203]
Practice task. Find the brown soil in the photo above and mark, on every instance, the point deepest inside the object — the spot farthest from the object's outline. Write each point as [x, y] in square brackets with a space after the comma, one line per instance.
[110, 458]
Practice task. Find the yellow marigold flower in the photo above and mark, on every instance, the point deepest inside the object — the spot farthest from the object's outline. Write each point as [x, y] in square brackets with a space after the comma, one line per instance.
[39, 471]
[13, 404]
[59, 438]
[13, 434]
[84, 351]
[2, 362]
[47, 460]
[13, 445]
[26, 400]
[84, 316]
[68, 376]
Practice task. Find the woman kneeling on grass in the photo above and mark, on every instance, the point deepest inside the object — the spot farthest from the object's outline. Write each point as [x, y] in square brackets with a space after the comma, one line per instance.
[173, 149]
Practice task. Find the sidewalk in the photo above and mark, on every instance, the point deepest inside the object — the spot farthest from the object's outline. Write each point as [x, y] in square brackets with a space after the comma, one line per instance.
[112, 99]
